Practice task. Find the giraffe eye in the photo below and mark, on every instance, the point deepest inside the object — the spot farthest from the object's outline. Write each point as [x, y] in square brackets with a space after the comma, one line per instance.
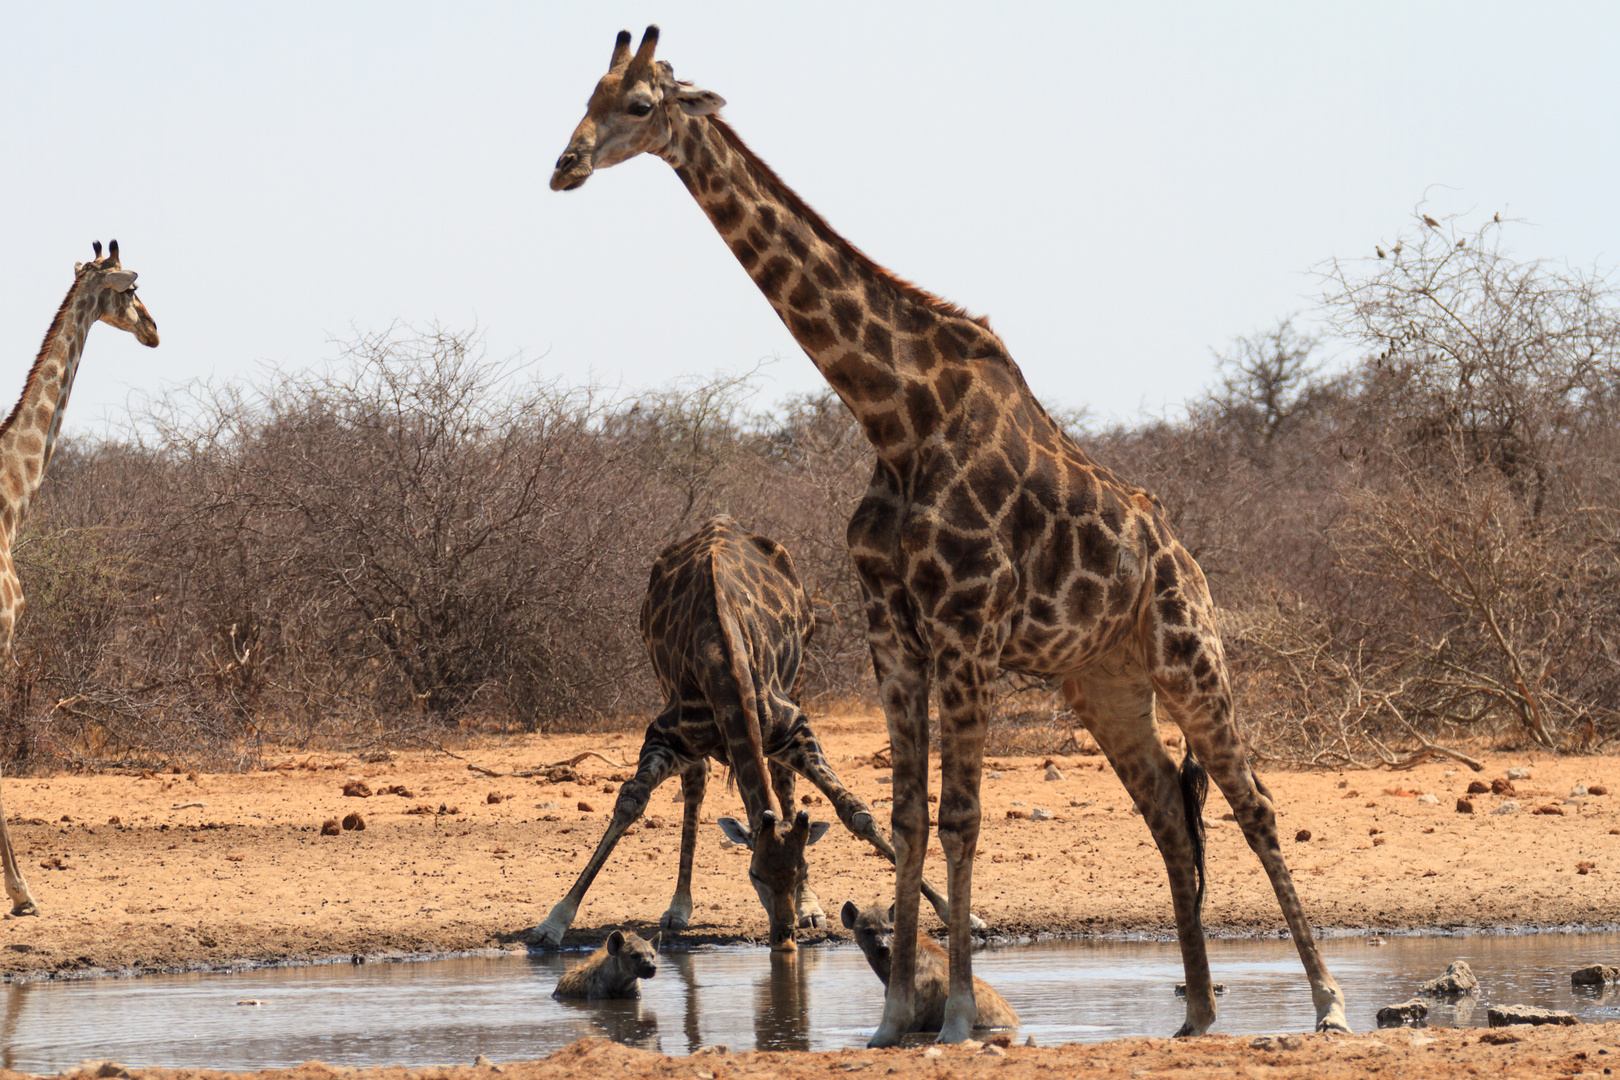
[639, 108]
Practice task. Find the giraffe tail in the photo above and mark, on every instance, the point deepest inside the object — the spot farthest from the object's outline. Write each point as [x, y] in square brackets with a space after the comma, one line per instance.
[1194, 790]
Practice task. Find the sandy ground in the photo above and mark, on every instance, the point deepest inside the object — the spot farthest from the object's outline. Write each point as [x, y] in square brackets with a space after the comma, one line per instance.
[158, 872]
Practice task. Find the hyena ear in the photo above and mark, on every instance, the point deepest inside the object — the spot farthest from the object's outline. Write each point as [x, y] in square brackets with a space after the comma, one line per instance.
[615, 942]
[849, 913]
[891, 913]
[656, 938]
[736, 832]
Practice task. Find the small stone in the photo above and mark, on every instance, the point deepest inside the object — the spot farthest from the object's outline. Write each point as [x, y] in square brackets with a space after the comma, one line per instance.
[357, 789]
[994, 1051]
[1458, 980]
[1017, 814]
[1596, 789]
[1052, 772]
[1407, 1012]
[716, 1048]
[1429, 800]
[1585, 867]
[888, 778]
[1029, 1041]
[1504, 1015]
[494, 798]
[1465, 806]
[1509, 807]
[1478, 787]
[1550, 810]
[1502, 787]
[354, 822]
[970, 1044]
[586, 807]
[1595, 975]
[1040, 814]
[1518, 773]
[1303, 836]
[1579, 791]
[933, 1052]
[549, 804]
[482, 1062]
[330, 827]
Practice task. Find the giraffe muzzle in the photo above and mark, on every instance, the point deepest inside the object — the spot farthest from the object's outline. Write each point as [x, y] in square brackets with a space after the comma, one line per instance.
[573, 169]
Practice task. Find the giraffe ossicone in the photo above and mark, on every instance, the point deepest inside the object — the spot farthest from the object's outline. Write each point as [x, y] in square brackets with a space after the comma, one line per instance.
[987, 540]
[102, 291]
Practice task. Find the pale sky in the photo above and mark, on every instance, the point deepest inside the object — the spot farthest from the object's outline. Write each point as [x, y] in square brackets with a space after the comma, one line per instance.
[1121, 187]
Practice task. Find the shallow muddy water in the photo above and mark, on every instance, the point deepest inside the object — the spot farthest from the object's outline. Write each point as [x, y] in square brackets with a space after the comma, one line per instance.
[449, 1011]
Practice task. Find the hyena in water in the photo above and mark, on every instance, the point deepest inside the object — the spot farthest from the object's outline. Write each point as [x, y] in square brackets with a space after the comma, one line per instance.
[613, 971]
[874, 933]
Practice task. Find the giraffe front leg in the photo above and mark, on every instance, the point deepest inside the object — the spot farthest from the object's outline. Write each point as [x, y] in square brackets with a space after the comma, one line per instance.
[694, 783]
[657, 763]
[963, 721]
[22, 900]
[904, 686]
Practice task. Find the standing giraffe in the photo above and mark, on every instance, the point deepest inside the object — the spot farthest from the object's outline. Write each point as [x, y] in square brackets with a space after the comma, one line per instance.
[726, 622]
[102, 290]
[986, 541]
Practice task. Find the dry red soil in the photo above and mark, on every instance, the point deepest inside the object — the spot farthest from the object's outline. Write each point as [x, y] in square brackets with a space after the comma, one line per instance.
[164, 871]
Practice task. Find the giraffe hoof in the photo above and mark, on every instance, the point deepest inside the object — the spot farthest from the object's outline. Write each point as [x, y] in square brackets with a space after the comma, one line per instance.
[26, 908]
[818, 921]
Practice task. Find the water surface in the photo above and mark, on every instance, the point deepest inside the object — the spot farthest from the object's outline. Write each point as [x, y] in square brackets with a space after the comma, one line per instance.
[449, 1011]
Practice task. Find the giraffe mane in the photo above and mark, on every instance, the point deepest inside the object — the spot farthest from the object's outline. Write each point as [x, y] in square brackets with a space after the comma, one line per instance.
[44, 350]
[826, 232]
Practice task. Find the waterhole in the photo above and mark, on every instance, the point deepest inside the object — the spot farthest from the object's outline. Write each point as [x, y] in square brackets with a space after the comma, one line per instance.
[449, 1011]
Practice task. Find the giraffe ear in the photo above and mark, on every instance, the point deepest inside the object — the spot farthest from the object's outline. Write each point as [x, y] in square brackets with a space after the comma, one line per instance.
[736, 832]
[694, 101]
[118, 280]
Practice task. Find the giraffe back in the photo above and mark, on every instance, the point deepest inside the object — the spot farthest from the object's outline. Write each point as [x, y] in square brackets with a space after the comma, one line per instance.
[726, 621]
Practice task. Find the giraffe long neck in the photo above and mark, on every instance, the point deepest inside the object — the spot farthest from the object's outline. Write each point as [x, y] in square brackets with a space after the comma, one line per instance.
[896, 355]
[28, 436]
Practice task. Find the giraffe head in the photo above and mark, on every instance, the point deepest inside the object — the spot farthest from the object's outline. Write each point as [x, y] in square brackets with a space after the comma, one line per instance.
[105, 283]
[635, 109]
[777, 867]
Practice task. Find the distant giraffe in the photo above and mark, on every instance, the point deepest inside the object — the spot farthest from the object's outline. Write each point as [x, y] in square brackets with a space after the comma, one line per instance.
[726, 622]
[986, 541]
[102, 291]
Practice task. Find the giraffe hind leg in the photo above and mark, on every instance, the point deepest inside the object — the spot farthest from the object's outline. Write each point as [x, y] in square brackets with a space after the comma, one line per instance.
[694, 783]
[1214, 739]
[1117, 708]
